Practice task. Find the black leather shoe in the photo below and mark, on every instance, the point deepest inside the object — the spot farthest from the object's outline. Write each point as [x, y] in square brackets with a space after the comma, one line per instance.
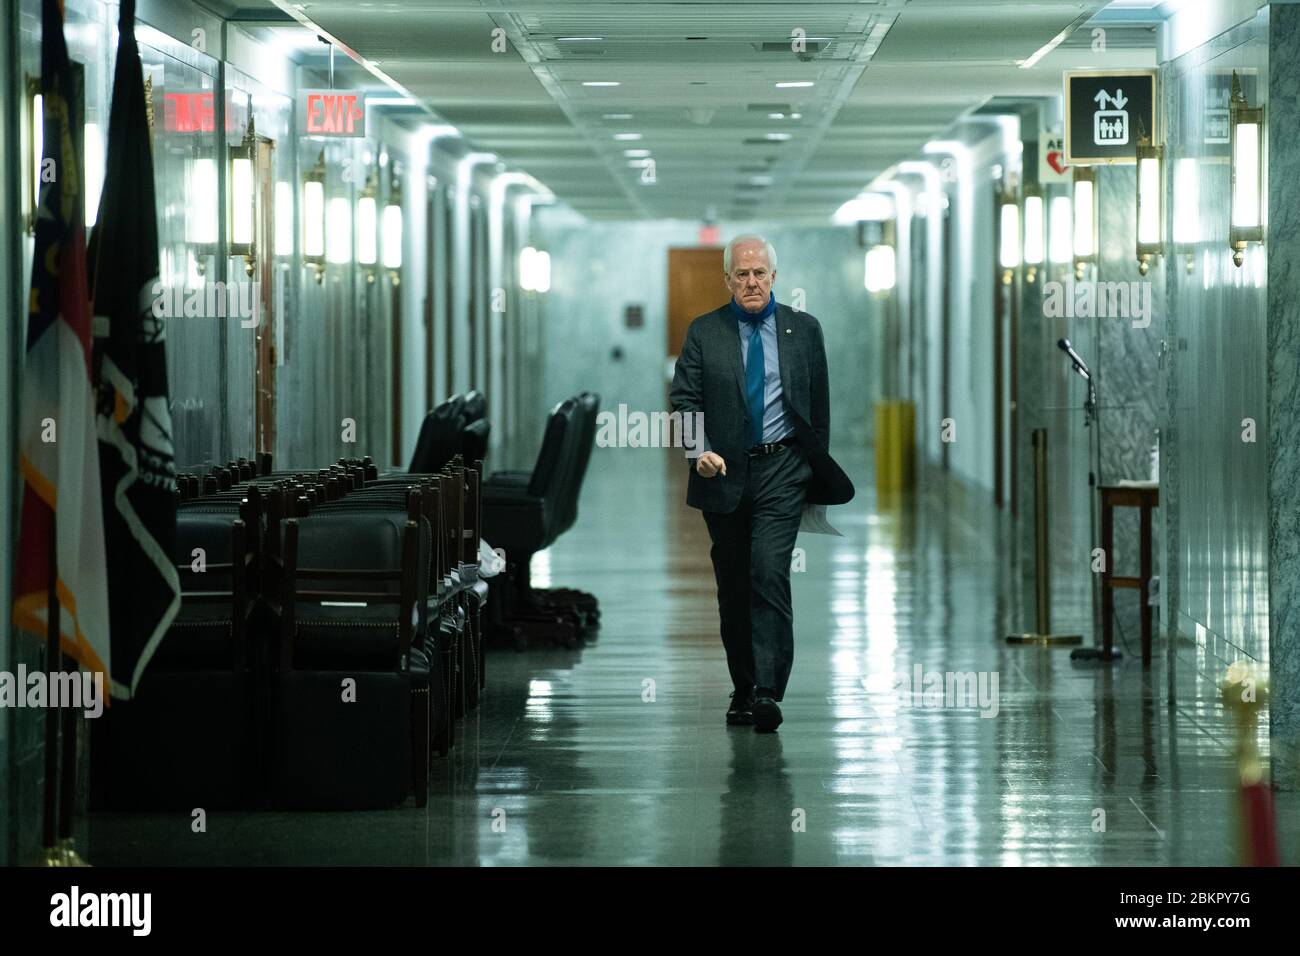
[739, 710]
[766, 714]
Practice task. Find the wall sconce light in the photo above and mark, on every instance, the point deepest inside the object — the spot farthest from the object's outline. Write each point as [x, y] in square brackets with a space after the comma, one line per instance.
[94, 149]
[1060, 244]
[1247, 133]
[1150, 202]
[1085, 219]
[368, 228]
[1009, 237]
[880, 273]
[242, 219]
[34, 134]
[391, 227]
[1187, 211]
[1034, 232]
[534, 270]
[201, 212]
[313, 217]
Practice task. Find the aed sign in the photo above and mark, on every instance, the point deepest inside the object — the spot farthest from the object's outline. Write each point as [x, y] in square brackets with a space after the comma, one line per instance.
[1106, 114]
[334, 113]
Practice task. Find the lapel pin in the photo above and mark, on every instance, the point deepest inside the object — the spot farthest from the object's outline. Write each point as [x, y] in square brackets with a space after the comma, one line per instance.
[787, 331]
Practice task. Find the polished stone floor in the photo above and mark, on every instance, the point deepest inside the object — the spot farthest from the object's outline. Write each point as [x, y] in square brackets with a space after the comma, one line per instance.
[618, 754]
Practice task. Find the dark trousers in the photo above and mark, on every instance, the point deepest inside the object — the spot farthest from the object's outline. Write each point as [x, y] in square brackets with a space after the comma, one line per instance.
[751, 562]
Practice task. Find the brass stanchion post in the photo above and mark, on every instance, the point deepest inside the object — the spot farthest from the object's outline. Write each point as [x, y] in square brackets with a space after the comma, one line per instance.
[1042, 558]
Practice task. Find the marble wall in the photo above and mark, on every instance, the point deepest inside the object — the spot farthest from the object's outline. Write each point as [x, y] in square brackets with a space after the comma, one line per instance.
[1283, 351]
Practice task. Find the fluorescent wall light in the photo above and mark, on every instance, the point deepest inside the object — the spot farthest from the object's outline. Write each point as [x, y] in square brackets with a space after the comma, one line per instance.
[94, 145]
[1035, 233]
[1246, 148]
[1085, 219]
[1150, 204]
[367, 230]
[392, 231]
[880, 271]
[201, 212]
[1009, 234]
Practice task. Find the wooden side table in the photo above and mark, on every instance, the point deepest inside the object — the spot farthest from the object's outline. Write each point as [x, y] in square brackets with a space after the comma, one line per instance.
[1145, 499]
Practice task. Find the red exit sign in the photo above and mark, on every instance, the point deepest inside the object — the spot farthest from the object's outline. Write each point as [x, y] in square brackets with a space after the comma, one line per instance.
[191, 111]
[331, 113]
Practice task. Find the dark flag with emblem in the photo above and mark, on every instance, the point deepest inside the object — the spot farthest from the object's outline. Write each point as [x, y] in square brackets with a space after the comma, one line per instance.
[135, 436]
[58, 452]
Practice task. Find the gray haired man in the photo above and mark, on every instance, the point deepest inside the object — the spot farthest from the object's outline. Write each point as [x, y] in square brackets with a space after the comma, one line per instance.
[756, 369]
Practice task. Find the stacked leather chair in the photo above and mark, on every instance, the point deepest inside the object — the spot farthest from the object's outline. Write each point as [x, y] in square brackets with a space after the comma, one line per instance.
[189, 738]
[524, 512]
[319, 659]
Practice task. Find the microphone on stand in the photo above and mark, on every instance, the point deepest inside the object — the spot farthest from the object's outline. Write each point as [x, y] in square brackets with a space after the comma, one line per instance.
[1079, 364]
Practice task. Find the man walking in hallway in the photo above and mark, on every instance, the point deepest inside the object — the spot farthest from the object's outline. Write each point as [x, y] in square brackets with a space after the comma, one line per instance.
[756, 370]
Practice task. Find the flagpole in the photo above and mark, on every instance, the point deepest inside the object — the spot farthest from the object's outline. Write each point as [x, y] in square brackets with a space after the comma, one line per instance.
[68, 793]
[53, 664]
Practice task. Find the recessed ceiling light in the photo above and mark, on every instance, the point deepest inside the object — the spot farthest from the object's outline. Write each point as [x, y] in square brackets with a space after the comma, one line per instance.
[760, 180]
[636, 152]
[578, 39]
[776, 116]
[794, 84]
[601, 83]
[796, 116]
[779, 137]
[617, 116]
[627, 137]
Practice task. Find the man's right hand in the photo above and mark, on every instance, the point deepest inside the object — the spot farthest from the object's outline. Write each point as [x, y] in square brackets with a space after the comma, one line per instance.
[710, 464]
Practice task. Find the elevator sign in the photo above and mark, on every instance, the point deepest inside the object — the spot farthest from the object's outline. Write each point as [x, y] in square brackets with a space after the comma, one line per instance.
[332, 113]
[1106, 114]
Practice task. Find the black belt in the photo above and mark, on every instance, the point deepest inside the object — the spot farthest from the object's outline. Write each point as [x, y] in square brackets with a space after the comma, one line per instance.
[772, 447]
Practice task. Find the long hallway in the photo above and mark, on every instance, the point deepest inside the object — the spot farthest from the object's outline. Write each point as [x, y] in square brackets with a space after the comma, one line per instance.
[617, 754]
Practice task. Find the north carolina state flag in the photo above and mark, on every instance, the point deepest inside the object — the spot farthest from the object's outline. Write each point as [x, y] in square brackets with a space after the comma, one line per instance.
[58, 450]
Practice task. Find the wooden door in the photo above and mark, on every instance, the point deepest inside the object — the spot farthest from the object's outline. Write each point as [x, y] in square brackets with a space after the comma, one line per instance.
[265, 272]
[695, 286]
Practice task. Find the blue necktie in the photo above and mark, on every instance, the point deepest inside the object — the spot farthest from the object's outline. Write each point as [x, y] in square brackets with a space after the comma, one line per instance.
[754, 376]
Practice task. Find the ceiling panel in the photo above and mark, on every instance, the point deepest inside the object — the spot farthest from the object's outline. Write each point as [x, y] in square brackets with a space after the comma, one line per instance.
[698, 82]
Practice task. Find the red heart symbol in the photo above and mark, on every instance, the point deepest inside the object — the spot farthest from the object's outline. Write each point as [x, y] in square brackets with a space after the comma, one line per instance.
[1056, 162]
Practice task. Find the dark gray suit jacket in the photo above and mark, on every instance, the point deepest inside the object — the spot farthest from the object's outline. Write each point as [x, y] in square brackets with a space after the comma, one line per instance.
[710, 378]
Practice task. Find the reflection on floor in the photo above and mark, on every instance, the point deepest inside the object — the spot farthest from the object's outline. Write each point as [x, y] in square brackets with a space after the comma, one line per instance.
[618, 753]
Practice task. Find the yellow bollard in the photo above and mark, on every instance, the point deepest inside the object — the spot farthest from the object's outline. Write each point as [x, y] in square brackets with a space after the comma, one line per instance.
[895, 446]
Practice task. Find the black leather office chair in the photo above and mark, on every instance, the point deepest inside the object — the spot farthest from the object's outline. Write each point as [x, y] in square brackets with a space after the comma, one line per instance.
[188, 739]
[352, 607]
[439, 437]
[522, 519]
